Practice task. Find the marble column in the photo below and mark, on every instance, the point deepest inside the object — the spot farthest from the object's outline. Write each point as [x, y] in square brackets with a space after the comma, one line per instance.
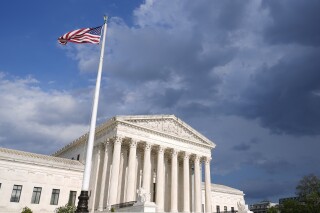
[160, 181]
[122, 174]
[146, 168]
[113, 189]
[197, 185]
[131, 171]
[174, 181]
[186, 183]
[207, 185]
[98, 149]
[103, 177]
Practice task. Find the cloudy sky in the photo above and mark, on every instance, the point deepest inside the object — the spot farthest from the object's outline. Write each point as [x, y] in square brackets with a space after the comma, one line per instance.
[243, 73]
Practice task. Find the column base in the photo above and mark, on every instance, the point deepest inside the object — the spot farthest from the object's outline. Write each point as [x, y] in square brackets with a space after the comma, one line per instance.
[83, 202]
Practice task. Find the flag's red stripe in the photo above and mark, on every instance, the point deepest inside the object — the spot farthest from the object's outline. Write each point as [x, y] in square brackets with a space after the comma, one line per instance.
[80, 36]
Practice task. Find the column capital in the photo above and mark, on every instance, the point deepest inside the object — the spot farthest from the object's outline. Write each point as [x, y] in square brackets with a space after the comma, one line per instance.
[133, 143]
[161, 149]
[106, 141]
[147, 146]
[197, 157]
[186, 155]
[118, 139]
[207, 160]
[174, 152]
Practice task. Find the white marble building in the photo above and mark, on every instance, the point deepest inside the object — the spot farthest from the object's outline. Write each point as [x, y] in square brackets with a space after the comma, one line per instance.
[40, 182]
[159, 153]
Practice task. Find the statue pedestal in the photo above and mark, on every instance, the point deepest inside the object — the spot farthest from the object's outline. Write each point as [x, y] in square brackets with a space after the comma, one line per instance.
[140, 207]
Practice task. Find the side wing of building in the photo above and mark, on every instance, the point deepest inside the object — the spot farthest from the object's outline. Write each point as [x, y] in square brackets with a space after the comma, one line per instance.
[40, 182]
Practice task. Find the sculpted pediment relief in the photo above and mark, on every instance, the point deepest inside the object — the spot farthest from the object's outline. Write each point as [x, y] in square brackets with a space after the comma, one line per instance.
[170, 125]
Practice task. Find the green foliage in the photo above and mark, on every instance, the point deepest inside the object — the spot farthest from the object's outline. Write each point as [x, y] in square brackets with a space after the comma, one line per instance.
[291, 206]
[272, 210]
[112, 209]
[308, 191]
[26, 210]
[309, 184]
[65, 209]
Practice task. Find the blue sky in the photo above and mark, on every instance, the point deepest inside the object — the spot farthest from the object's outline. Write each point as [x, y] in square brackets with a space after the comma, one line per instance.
[244, 74]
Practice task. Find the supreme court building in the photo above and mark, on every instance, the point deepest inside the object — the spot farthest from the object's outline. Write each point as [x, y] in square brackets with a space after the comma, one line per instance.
[160, 154]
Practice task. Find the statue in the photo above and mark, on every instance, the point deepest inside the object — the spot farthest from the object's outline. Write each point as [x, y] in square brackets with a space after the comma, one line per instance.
[243, 208]
[143, 196]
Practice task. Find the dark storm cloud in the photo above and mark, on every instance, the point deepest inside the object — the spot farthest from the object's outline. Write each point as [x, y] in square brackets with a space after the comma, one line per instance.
[275, 166]
[286, 96]
[266, 189]
[190, 49]
[293, 21]
[241, 147]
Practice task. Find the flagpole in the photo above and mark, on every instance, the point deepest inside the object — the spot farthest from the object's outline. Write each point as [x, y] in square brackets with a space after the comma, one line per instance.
[84, 196]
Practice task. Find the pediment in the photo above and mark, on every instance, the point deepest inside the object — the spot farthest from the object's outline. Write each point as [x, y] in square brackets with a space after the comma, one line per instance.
[168, 124]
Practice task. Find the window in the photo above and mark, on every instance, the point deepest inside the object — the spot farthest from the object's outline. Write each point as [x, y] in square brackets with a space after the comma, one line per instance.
[72, 198]
[218, 209]
[78, 157]
[232, 209]
[0, 185]
[55, 197]
[36, 195]
[225, 209]
[16, 193]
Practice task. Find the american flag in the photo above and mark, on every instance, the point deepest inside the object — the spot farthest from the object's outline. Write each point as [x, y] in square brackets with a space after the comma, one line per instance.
[84, 35]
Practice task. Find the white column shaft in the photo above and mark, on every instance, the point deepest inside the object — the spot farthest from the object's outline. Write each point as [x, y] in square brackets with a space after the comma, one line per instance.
[103, 178]
[131, 171]
[207, 186]
[197, 185]
[92, 201]
[113, 189]
[160, 181]
[174, 182]
[146, 168]
[186, 184]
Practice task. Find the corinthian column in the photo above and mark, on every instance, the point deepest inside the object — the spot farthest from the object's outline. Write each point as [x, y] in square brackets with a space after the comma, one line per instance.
[113, 189]
[98, 150]
[186, 182]
[147, 168]
[197, 185]
[131, 171]
[103, 177]
[160, 181]
[207, 184]
[174, 181]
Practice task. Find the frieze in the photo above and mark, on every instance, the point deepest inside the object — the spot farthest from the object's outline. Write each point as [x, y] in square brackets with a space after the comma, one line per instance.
[167, 126]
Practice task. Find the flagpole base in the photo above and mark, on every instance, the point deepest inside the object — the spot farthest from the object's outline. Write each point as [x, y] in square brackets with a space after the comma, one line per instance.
[83, 202]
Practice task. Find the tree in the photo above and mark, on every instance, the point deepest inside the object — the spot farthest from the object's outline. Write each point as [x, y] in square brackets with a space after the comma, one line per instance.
[291, 206]
[66, 209]
[308, 185]
[272, 209]
[26, 210]
[308, 191]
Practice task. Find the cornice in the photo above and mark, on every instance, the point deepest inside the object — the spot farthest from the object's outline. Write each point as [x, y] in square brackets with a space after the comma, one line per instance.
[40, 160]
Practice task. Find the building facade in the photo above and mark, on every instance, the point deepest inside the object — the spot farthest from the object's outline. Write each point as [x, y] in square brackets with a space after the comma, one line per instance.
[160, 154]
[262, 207]
[40, 182]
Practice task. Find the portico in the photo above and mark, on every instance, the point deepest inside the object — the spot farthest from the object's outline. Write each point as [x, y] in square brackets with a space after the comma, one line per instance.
[161, 154]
